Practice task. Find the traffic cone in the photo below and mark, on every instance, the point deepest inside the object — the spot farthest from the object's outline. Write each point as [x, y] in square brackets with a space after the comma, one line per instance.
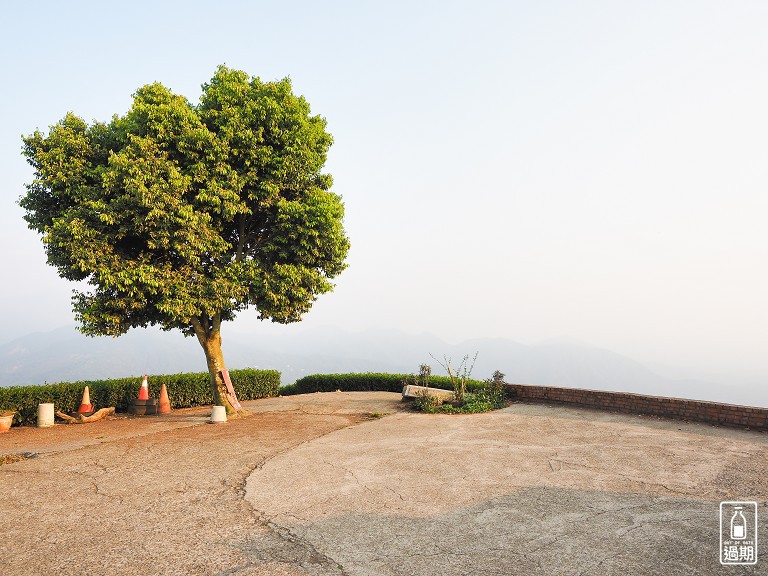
[165, 403]
[144, 390]
[85, 404]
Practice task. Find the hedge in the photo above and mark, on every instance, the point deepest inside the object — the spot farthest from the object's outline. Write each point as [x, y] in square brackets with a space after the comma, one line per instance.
[365, 382]
[184, 391]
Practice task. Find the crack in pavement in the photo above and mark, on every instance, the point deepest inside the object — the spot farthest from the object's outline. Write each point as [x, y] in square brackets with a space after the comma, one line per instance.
[284, 533]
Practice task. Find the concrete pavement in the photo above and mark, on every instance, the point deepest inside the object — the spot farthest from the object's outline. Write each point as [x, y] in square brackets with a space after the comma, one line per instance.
[348, 483]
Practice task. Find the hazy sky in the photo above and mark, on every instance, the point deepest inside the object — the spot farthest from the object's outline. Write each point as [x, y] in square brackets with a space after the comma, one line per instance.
[532, 170]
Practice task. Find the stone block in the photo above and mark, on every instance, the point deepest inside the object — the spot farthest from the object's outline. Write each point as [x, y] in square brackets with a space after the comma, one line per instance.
[410, 392]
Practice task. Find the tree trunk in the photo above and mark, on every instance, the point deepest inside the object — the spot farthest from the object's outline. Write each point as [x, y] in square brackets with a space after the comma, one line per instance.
[210, 340]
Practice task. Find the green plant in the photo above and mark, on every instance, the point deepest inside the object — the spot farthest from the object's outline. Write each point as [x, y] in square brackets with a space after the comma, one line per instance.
[493, 389]
[427, 403]
[496, 382]
[480, 402]
[458, 376]
[424, 373]
[472, 404]
[408, 380]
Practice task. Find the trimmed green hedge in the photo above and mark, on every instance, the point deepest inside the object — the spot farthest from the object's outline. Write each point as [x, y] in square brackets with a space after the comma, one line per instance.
[184, 391]
[365, 382]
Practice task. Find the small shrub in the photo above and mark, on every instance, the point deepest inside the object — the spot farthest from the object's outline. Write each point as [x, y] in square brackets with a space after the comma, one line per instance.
[458, 376]
[480, 402]
[496, 383]
[425, 372]
[408, 380]
[427, 403]
[493, 390]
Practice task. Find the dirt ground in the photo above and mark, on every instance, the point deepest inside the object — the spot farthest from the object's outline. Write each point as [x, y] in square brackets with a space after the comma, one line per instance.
[349, 483]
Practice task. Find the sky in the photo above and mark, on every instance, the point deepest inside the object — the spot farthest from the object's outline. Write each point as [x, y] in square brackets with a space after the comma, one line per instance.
[529, 170]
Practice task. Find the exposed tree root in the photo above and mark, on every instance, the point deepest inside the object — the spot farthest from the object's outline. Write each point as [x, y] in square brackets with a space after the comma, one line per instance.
[80, 419]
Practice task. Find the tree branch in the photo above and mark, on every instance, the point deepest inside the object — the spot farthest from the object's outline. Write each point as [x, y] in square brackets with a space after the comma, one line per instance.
[81, 419]
[243, 235]
[200, 331]
[240, 238]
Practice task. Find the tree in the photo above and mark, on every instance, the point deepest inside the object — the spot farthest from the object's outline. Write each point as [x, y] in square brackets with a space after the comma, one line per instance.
[183, 215]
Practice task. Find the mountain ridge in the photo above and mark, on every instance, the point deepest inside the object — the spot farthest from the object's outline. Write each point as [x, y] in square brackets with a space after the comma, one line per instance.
[64, 354]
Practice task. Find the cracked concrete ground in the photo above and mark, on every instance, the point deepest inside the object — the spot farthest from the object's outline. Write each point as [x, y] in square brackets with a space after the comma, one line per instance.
[313, 485]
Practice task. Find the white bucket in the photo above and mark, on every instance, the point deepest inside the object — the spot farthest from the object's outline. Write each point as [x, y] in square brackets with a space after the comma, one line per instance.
[44, 415]
[218, 415]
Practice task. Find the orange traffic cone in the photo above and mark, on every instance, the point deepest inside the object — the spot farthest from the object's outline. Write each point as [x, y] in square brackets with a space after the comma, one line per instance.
[85, 404]
[144, 390]
[165, 403]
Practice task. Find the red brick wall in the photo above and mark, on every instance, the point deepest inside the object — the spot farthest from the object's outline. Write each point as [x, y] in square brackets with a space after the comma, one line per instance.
[695, 410]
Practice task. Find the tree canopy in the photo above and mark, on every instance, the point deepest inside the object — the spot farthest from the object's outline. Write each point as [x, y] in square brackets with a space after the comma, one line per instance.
[183, 215]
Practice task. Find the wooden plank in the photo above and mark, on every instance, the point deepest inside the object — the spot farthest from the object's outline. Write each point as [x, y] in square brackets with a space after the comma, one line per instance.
[231, 396]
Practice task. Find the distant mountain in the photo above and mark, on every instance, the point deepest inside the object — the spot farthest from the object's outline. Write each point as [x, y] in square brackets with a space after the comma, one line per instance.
[66, 355]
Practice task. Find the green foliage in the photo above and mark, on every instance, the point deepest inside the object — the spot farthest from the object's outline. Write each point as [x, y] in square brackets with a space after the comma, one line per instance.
[425, 371]
[365, 382]
[184, 391]
[183, 215]
[459, 376]
[493, 388]
[490, 395]
[427, 403]
[480, 401]
[408, 380]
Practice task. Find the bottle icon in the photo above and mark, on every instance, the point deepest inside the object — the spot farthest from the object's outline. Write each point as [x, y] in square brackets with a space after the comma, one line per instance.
[738, 524]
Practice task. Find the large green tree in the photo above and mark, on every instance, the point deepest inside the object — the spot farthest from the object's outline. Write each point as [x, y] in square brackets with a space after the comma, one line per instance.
[183, 215]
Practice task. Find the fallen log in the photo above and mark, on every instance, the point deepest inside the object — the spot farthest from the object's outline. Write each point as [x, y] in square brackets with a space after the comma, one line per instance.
[80, 419]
